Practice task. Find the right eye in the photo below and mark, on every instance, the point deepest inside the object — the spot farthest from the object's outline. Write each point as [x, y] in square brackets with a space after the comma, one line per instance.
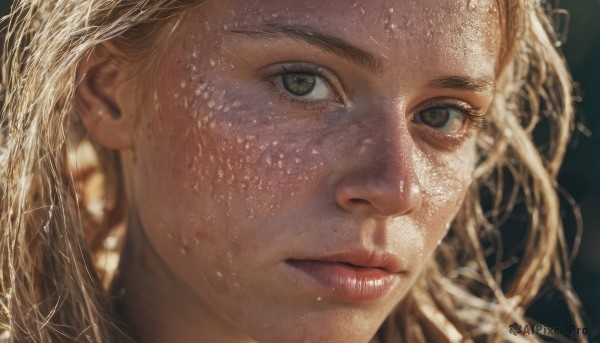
[307, 86]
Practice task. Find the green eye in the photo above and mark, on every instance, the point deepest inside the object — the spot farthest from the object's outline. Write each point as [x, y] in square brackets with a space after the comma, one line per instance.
[447, 119]
[299, 84]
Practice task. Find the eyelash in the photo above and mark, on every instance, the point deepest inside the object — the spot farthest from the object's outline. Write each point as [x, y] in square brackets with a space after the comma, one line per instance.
[307, 105]
[476, 121]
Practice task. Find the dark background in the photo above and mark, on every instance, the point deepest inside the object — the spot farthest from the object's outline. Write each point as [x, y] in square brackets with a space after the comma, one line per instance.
[580, 175]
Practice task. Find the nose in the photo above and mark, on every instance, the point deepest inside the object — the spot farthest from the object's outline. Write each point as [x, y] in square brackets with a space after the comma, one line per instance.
[384, 183]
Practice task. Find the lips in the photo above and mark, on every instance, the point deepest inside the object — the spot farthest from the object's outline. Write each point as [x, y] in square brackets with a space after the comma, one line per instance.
[360, 277]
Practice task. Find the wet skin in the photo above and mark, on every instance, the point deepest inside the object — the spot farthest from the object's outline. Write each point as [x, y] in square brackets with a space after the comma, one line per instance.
[233, 176]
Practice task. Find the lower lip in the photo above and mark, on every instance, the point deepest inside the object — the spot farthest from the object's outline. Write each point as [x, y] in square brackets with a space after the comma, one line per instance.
[345, 282]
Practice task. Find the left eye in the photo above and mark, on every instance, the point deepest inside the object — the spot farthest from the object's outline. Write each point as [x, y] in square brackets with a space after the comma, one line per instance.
[447, 119]
[305, 85]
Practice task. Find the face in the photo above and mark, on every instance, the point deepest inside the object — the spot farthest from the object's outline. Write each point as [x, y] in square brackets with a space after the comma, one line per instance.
[298, 162]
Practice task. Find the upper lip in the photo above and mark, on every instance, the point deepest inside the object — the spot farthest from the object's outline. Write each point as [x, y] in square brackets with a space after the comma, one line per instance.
[364, 259]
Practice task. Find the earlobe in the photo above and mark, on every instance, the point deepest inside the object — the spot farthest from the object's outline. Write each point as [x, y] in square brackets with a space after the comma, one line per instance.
[102, 111]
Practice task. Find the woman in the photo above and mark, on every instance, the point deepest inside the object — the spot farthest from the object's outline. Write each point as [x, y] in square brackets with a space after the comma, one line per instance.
[288, 170]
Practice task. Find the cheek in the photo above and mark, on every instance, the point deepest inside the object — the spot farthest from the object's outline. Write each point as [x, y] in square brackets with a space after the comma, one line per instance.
[445, 179]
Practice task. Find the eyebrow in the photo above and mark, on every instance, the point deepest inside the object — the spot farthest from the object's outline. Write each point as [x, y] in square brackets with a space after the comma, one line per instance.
[319, 39]
[463, 83]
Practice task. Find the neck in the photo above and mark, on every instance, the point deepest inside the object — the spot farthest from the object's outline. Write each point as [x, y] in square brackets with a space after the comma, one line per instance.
[156, 305]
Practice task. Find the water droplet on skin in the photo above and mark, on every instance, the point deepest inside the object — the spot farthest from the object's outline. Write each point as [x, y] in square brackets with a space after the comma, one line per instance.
[212, 62]
[221, 173]
[319, 299]
[267, 158]
[314, 152]
[219, 274]
[401, 186]
[183, 84]
[211, 104]
[472, 5]
[183, 251]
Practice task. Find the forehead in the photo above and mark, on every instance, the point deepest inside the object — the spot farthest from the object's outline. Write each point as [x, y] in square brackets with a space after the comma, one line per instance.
[430, 31]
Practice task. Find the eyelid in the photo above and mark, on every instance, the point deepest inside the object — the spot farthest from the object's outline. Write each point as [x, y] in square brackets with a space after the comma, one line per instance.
[477, 119]
[275, 70]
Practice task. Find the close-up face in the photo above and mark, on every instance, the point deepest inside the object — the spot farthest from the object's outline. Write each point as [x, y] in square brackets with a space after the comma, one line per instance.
[298, 162]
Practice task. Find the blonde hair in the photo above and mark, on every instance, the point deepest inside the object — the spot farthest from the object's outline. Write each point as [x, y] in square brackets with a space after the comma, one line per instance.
[53, 288]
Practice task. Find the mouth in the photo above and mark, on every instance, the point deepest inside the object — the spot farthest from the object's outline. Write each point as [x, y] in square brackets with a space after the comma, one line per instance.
[354, 277]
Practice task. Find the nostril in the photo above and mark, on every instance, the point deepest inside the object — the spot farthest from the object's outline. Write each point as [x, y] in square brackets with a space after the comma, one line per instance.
[357, 201]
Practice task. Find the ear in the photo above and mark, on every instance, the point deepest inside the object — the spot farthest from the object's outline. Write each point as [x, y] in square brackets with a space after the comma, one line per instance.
[102, 104]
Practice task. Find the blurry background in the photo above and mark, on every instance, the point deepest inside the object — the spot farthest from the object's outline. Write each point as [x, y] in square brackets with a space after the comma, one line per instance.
[580, 175]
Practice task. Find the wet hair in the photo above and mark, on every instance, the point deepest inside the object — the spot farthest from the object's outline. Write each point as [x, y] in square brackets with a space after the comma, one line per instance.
[63, 202]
